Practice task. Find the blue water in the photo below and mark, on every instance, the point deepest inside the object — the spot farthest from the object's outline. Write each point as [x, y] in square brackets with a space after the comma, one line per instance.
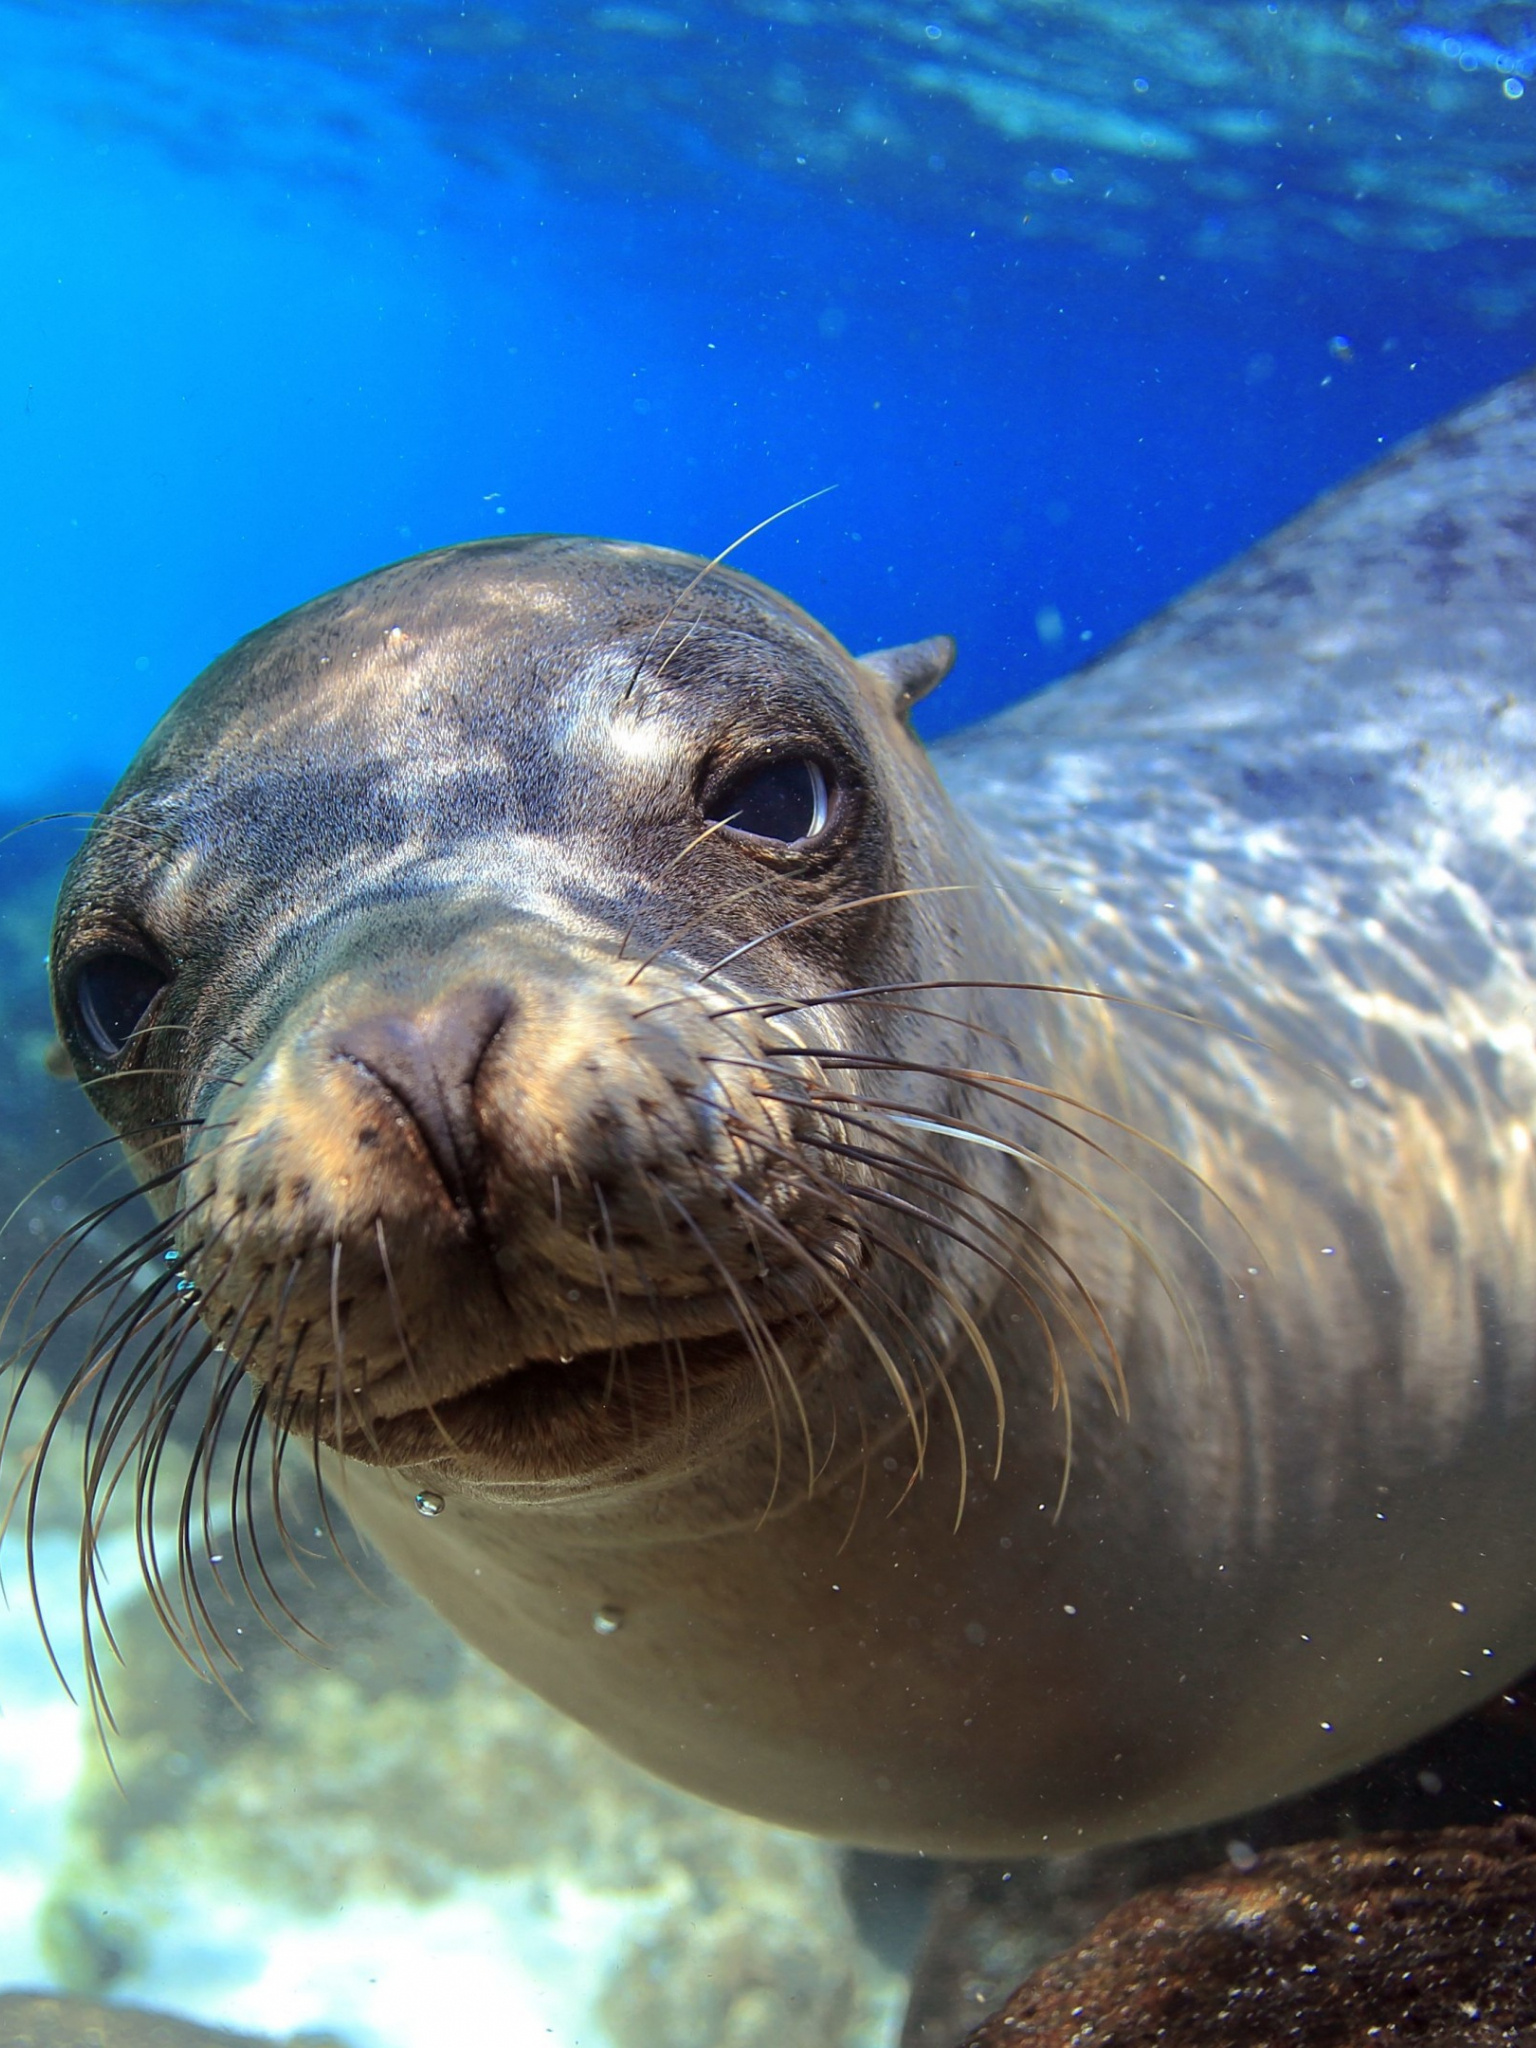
[289, 292]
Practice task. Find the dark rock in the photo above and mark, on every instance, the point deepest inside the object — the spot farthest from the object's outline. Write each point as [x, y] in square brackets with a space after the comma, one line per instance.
[1428, 1938]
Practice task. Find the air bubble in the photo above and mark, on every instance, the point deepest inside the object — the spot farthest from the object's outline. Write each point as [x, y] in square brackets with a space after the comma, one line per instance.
[429, 1503]
[607, 1621]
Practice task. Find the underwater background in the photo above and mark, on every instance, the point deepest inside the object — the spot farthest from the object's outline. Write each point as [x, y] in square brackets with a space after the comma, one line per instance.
[1070, 303]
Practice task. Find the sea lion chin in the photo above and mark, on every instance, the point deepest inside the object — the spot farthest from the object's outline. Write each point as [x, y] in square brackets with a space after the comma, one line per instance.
[964, 1314]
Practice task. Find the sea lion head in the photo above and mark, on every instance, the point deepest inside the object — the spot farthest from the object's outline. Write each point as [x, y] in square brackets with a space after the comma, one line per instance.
[464, 962]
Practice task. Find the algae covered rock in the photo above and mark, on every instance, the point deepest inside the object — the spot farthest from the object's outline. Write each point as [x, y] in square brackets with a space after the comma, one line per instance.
[1429, 1938]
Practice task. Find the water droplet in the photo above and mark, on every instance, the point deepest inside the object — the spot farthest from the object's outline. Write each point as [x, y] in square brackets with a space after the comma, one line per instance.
[1458, 1607]
[608, 1621]
[1513, 89]
[1431, 1782]
[429, 1503]
[1242, 1855]
[573, 1294]
[566, 1357]
[975, 1633]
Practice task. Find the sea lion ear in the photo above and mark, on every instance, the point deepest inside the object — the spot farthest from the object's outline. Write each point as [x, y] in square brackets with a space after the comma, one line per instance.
[910, 672]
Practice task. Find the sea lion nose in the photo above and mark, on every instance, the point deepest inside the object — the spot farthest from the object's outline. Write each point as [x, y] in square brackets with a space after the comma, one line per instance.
[429, 1062]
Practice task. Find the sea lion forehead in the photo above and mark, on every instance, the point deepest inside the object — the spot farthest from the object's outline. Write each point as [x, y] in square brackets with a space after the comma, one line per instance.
[465, 632]
[494, 688]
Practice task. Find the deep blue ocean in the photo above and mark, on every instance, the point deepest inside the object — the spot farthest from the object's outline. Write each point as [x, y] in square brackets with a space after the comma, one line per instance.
[1049, 310]
[290, 291]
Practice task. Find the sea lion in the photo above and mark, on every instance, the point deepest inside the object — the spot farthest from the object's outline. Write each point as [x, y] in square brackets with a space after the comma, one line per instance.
[972, 1302]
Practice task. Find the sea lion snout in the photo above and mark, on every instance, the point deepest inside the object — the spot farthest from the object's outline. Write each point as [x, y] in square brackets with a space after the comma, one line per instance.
[428, 1066]
[442, 1174]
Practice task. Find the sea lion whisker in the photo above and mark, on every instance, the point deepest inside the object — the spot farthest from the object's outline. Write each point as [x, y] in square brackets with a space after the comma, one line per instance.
[229, 1377]
[343, 1397]
[710, 912]
[114, 1279]
[760, 1342]
[937, 1122]
[826, 910]
[25, 1365]
[154, 1435]
[604, 1268]
[50, 818]
[407, 1353]
[203, 1628]
[779, 1006]
[108, 1419]
[258, 1423]
[284, 1414]
[840, 1191]
[69, 1240]
[323, 1503]
[150, 1444]
[666, 1343]
[970, 1134]
[109, 820]
[104, 1423]
[911, 1164]
[1004, 1087]
[213, 1423]
[861, 1322]
[911, 1159]
[708, 569]
[245, 1529]
[117, 1138]
[715, 825]
[121, 1076]
[29, 1550]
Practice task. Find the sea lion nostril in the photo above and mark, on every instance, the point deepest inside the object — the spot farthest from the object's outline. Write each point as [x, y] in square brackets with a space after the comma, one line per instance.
[429, 1063]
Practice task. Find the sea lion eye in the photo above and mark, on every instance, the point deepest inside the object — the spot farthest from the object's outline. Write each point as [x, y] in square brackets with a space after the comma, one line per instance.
[788, 801]
[112, 993]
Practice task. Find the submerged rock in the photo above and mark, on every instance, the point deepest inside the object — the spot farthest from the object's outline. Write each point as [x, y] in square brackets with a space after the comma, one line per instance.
[34, 2020]
[1423, 1938]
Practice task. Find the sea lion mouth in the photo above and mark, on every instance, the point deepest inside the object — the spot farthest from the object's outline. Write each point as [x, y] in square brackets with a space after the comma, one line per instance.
[548, 1417]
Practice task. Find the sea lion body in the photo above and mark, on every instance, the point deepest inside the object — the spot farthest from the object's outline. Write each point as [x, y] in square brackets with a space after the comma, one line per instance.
[513, 1049]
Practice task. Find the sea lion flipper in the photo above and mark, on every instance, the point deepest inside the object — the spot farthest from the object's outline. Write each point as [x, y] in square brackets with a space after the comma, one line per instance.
[910, 672]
